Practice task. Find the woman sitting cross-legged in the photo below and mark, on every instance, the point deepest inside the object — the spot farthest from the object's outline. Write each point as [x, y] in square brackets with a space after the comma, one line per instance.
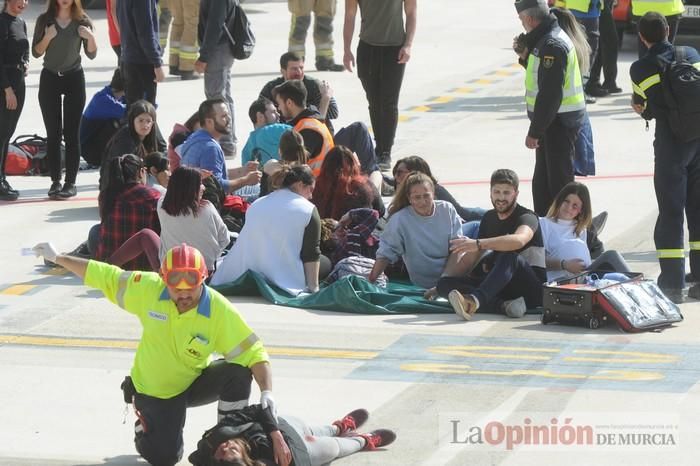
[184, 218]
[341, 187]
[419, 231]
[127, 206]
[252, 436]
[571, 246]
[281, 237]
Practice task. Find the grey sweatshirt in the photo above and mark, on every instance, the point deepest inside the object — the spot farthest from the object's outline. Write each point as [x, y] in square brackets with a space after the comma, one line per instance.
[422, 242]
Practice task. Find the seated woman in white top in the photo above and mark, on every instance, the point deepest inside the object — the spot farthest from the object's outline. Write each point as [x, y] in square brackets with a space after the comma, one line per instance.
[571, 246]
[281, 236]
[184, 218]
[419, 231]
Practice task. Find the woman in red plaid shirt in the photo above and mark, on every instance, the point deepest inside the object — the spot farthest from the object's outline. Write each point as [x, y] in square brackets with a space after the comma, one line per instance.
[126, 207]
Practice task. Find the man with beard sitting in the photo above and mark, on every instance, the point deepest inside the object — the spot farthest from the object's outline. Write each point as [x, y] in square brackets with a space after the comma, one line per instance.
[504, 268]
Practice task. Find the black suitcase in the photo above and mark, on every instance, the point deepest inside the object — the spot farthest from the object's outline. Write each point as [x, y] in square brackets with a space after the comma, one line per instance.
[634, 304]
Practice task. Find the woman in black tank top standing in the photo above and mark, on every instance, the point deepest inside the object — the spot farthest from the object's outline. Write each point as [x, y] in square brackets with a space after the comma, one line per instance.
[14, 59]
[58, 36]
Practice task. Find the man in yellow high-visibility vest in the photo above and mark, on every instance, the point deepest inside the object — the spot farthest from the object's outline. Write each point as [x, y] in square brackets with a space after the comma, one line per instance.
[184, 322]
[554, 98]
[671, 9]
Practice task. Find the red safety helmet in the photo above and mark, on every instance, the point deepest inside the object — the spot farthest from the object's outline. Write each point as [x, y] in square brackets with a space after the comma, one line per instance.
[183, 267]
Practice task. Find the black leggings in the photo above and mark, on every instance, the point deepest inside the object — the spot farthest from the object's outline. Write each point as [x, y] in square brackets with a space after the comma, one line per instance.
[62, 118]
[381, 78]
[9, 118]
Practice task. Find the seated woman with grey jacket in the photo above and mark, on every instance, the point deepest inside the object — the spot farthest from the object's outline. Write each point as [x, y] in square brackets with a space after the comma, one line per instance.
[419, 231]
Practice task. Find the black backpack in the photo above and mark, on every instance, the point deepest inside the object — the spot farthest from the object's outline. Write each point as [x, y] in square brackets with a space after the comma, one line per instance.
[240, 34]
[680, 84]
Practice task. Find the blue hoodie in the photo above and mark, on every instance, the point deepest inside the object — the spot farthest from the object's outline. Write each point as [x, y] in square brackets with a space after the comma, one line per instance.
[263, 143]
[200, 150]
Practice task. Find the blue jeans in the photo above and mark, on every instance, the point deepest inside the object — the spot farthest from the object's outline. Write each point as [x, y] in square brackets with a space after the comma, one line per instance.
[507, 276]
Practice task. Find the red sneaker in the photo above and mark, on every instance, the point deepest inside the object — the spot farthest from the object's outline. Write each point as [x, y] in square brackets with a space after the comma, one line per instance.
[352, 421]
[378, 438]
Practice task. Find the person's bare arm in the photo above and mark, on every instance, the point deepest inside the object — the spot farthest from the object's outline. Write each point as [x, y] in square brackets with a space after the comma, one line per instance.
[326, 95]
[504, 243]
[76, 265]
[410, 8]
[348, 32]
[380, 264]
[262, 373]
[311, 270]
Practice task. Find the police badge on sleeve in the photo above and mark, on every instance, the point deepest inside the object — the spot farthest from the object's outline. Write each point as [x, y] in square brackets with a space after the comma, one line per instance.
[547, 61]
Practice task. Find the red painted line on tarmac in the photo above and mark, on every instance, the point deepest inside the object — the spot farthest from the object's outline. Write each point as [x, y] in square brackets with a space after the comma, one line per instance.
[39, 200]
[579, 178]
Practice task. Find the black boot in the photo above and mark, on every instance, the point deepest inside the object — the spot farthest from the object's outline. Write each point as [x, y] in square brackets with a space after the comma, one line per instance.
[328, 64]
[6, 191]
[54, 189]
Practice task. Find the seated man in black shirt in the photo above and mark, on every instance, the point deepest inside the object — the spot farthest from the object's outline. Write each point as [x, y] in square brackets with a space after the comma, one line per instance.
[504, 268]
[319, 95]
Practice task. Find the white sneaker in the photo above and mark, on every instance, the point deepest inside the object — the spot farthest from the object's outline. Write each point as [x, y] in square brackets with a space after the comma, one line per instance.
[515, 308]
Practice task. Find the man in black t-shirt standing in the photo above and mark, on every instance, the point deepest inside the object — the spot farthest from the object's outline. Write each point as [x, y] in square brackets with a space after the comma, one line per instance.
[504, 268]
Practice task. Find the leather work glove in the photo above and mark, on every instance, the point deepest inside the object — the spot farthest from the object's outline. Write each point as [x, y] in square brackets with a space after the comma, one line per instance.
[45, 250]
[267, 401]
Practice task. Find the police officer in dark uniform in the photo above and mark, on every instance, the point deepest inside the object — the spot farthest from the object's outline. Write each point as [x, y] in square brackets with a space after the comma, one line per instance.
[554, 97]
[676, 163]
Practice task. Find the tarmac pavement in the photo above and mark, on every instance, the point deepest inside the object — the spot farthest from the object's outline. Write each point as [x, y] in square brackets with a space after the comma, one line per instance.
[441, 383]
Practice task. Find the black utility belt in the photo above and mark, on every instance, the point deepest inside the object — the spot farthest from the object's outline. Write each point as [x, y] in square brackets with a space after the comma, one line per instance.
[65, 73]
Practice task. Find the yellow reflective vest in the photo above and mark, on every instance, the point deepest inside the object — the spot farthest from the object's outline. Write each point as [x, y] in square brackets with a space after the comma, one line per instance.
[175, 347]
[573, 98]
[665, 7]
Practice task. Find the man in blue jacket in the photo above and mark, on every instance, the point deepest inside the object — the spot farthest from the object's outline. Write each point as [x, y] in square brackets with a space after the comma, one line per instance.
[202, 149]
[141, 63]
[101, 119]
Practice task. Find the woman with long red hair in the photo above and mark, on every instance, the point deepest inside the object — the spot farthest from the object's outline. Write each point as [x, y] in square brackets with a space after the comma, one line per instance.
[341, 187]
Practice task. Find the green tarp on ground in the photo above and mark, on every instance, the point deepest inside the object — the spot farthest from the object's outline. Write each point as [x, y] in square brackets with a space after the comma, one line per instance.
[349, 294]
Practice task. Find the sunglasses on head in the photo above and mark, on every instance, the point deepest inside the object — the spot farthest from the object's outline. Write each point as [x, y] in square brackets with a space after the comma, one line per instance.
[190, 277]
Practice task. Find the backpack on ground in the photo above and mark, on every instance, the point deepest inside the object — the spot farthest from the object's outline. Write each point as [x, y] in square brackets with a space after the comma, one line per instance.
[680, 84]
[30, 149]
[239, 32]
[17, 161]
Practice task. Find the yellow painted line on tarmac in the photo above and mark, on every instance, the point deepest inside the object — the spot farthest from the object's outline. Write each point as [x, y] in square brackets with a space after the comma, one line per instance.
[484, 81]
[517, 65]
[502, 73]
[442, 99]
[464, 90]
[18, 289]
[420, 108]
[69, 342]
[506, 352]
[628, 357]
[463, 369]
[405, 118]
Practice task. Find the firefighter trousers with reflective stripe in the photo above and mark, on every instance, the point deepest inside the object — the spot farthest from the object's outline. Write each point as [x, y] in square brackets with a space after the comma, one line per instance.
[183, 35]
[324, 12]
[677, 186]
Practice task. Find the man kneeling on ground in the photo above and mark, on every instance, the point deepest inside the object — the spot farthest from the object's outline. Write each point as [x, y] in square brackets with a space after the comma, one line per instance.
[184, 322]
